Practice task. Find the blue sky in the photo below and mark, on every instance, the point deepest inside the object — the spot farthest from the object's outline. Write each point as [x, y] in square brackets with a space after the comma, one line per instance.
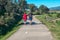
[48, 3]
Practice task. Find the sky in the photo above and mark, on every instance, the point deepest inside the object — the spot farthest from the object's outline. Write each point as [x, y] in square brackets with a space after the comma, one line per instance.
[48, 3]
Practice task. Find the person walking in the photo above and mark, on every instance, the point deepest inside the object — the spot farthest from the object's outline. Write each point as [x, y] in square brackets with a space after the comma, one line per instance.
[30, 17]
[25, 18]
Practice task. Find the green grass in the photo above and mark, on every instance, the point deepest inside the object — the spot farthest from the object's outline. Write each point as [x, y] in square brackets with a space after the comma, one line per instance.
[54, 28]
[11, 32]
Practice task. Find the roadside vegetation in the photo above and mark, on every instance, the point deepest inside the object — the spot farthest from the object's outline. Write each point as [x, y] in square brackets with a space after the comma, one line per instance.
[52, 21]
[10, 14]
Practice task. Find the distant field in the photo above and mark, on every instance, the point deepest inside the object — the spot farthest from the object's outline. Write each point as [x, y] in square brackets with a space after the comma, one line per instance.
[54, 11]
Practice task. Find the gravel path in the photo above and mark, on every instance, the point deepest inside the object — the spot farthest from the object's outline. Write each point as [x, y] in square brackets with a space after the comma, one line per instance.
[37, 31]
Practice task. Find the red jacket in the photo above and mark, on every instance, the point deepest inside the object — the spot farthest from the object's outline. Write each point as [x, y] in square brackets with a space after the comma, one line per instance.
[24, 16]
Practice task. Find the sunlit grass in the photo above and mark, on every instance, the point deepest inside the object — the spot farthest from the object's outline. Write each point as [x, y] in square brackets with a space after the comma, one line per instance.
[55, 30]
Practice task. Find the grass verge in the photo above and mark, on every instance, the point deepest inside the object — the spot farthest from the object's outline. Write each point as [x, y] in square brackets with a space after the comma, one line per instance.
[53, 27]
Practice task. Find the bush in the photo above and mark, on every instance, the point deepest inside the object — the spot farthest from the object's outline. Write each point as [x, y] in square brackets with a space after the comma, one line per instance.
[9, 22]
[9, 25]
[36, 13]
[58, 22]
[58, 15]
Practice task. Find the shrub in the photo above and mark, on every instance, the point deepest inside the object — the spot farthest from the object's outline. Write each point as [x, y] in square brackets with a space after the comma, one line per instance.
[36, 13]
[58, 22]
[58, 15]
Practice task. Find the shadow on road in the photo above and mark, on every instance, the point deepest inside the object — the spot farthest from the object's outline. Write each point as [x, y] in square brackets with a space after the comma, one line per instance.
[27, 23]
[33, 23]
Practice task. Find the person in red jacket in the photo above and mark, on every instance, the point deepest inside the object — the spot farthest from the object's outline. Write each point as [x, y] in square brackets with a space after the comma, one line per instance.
[25, 17]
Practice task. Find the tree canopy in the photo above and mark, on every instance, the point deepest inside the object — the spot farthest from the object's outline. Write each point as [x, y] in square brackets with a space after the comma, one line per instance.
[32, 7]
[43, 9]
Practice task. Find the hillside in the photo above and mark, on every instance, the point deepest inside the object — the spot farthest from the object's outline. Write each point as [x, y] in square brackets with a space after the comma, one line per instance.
[55, 8]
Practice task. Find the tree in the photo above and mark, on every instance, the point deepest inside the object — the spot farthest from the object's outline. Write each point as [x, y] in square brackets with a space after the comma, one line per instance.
[43, 9]
[2, 8]
[9, 15]
[9, 7]
[23, 4]
[32, 7]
